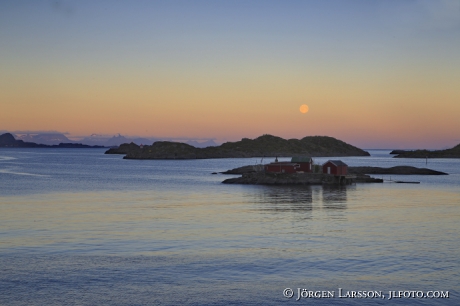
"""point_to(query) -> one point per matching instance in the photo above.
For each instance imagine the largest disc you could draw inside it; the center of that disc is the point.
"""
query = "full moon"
(303, 108)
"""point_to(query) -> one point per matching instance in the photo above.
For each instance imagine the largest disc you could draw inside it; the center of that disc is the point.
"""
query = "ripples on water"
(81, 228)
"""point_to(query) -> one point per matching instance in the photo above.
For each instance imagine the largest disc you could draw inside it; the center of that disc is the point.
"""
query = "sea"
(78, 227)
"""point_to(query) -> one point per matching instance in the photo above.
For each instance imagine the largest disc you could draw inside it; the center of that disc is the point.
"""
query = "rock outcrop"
(123, 148)
(241, 170)
(406, 170)
(265, 145)
(398, 152)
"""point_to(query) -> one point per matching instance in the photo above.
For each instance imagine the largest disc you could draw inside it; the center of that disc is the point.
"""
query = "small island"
(266, 145)
(258, 174)
(261, 178)
(448, 153)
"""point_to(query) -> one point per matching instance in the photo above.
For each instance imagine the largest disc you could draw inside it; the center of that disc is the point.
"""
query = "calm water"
(78, 227)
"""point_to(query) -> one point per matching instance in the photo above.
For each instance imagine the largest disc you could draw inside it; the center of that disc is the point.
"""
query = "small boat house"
(335, 167)
(297, 164)
(305, 163)
(281, 167)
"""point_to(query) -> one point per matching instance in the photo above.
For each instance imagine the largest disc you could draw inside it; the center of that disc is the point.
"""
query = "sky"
(376, 74)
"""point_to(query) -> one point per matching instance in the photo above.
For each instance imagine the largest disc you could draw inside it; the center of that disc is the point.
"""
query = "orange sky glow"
(204, 76)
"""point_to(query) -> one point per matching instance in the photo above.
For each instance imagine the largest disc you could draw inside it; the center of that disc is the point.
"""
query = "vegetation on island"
(266, 145)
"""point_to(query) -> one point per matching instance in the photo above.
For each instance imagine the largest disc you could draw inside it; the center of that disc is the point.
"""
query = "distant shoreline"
(7, 140)
(448, 153)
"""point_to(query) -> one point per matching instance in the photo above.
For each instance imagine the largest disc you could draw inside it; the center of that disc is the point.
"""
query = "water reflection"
(286, 198)
(335, 202)
(301, 198)
(335, 197)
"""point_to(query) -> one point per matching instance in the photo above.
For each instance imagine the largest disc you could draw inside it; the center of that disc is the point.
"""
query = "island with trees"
(263, 146)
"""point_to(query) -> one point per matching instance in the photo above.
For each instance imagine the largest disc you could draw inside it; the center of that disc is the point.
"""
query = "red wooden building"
(305, 163)
(336, 167)
(282, 167)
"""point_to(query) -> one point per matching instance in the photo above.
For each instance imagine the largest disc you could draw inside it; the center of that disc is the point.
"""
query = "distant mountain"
(99, 140)
(448, 153)
(7, 140)
(266, 145)
(42, 138)
(115, 140)
(119, 139)
(204, 144)
(143, 141)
